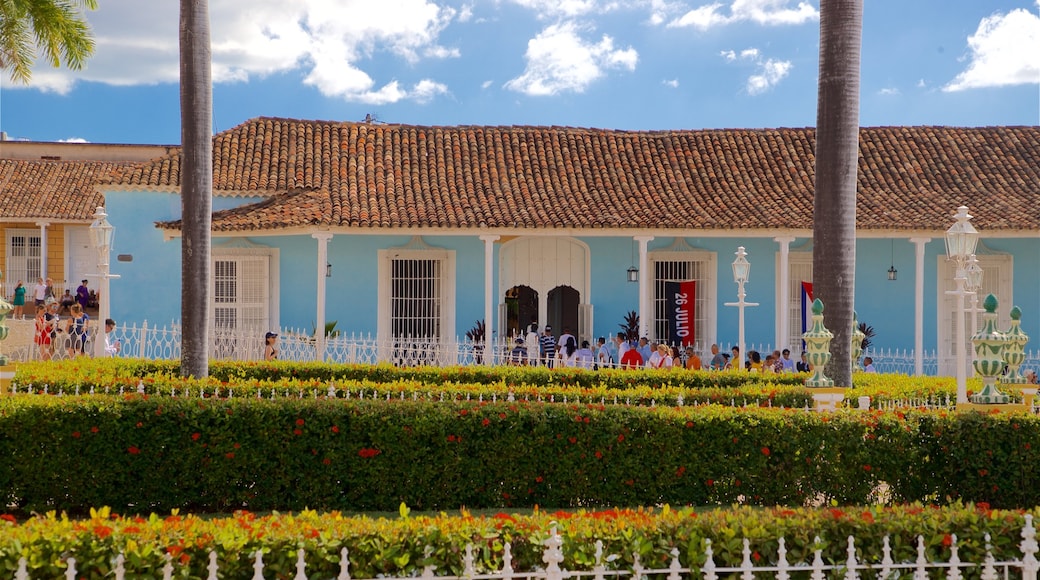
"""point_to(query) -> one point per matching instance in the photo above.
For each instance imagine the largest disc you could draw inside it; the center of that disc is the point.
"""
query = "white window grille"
(416, 302)
(801, 270)
(23, 258)
(240, 304)
(679, 265)
(997, 279)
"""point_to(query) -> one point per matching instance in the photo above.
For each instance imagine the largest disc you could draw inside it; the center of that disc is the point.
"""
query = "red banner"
(682, 311)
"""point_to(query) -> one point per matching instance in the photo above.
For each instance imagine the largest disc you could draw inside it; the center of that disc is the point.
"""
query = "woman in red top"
(42, 337)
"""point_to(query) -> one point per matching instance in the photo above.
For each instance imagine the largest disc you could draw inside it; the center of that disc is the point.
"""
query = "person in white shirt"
(661, 358)
(785, 357)
(112, 345)
(39, 292)
(531, 341)
(583, 357)
(868, 365)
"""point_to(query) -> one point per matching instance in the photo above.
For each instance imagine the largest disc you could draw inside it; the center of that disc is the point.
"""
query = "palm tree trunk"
(196, 185)
(837, 153)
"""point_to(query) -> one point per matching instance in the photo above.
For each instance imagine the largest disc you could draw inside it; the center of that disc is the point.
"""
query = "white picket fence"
(164, 342)
(881, 566)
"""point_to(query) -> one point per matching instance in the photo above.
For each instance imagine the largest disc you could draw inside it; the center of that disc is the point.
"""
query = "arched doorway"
(521, 309)
(562, 310)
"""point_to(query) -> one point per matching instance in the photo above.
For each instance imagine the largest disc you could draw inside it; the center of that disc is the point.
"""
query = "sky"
(612, 64)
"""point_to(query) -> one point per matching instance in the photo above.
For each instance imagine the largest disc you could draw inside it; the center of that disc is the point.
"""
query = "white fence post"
(1029, 549)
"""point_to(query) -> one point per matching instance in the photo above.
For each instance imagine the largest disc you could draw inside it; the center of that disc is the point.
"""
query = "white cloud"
(73, 140)
(764, 12)
(486, 84)
(921, 84)
(556, 8)
(770, 72)
(673, 83)
(1004, 52)
(559, 60)
(889, 91)
(330, 40)
(425, 90)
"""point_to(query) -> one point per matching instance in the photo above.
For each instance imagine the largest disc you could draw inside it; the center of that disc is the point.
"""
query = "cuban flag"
(807, 299)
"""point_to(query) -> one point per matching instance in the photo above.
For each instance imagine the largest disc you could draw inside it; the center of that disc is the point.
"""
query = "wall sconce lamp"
(892, 272)
(328, 270)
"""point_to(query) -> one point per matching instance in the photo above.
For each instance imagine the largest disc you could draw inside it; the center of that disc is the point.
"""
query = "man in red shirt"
(632, 359)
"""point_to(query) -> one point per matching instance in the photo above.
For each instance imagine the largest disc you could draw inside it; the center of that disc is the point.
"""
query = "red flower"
(229, 455)
(451, 438)
(710, 482)
(621, 438)
(9, 518)
(599, 455)
(75, 434)
(485, 422)
(679, 472)
(867, 517)
(577, 418)
(572, 439)
(689, 423)
(326, 461)
(539, 479)
(94, 429)
(297, 432)
(335, 429)
(464, 412)
(102, 531)
(237, 446)
(867, 467)
(139, 425)
(586, 419)
(756, 556)
(195, 436)
(982, 505)
(947, 540)
(299, 422)
(368, 453)
(133, 450)
(983, 472)
(765, 451)
(501, 415)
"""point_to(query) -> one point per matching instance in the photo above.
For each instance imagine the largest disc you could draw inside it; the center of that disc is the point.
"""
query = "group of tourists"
(546, 349)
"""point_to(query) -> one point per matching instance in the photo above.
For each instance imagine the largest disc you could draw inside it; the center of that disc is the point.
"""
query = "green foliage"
(145, 453)
(630, 326)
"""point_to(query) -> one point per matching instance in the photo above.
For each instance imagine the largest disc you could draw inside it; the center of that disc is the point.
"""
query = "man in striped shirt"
(547, 346)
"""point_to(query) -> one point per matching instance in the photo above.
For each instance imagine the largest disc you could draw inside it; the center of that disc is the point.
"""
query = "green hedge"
(159, 453)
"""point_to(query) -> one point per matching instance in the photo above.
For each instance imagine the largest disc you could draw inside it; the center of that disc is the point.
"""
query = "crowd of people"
(548, 350)
(62, 326)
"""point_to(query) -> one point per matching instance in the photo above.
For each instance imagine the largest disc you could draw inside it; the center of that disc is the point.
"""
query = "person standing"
(718, 360)
(83, 295)
(42, 338)
(112, 346)
(518, 356)
(547, 346)
(270, 346)
(645, 349)
(785, 357)
(802, 365)
(583, 357)
(19, 300)
(40, 292)
(603, 357)
(77, 327)
(661, 358)
(531, 341)
(693, 362)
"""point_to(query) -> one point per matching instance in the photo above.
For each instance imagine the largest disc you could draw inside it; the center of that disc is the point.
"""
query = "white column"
(323, 260)
(783, 327)
(43, 248)
(489, 295)
(919, 304)
(645, 280)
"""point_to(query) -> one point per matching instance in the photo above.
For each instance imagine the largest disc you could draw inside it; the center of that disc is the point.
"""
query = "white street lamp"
(101, 233)
(741, 270)
(961, 240)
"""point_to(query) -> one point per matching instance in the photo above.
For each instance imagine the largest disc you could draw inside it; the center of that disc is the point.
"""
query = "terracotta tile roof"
(361, 175)
(57, 190)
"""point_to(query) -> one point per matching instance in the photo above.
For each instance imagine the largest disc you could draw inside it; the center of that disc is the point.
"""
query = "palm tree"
(837, 153)
(55, 28)
(196, 185)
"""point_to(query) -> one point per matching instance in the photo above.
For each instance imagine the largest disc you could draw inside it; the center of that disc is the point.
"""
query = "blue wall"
(150, 285)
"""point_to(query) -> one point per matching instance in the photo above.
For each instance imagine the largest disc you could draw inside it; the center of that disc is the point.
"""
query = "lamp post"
(101, 233)
(961, 240)
(741, 269)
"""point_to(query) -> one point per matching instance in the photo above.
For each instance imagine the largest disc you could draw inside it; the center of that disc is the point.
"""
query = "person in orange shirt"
(693, 362)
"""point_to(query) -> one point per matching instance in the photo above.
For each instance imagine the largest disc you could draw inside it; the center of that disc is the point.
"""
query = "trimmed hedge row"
(141, 454)
(403, 546)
